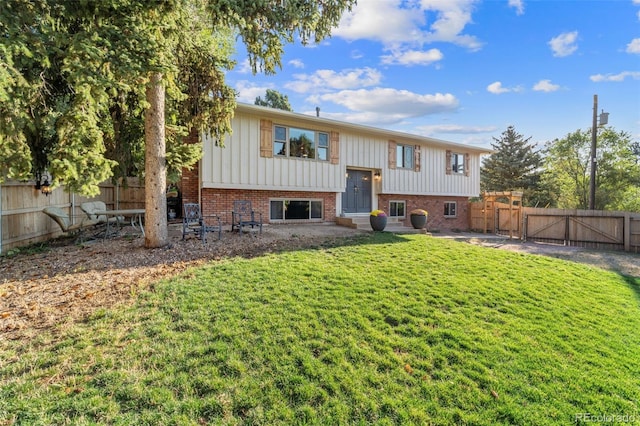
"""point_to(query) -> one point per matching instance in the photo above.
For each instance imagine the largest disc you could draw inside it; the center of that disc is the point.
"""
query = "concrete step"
(393, 225)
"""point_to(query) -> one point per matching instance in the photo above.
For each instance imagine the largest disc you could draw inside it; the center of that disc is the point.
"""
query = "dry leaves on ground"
(67, 282)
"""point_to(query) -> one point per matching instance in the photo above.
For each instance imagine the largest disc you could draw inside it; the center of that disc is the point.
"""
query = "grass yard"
(383, 330)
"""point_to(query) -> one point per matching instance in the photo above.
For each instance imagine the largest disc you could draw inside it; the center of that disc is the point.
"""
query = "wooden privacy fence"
(583, 228)
(22, 221)
(607, 230)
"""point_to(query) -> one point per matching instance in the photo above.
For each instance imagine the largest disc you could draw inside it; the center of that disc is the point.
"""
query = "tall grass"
(384, 330)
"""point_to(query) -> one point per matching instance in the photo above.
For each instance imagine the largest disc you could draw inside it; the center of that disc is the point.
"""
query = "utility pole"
(594, 161)
(604, 119)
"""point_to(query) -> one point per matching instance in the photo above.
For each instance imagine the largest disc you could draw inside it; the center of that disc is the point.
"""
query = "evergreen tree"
(514, 166)
(79, 79)
(274, 99)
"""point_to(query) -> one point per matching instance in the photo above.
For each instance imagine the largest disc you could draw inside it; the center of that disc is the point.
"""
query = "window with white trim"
(301, 143)
(450, 209)
(288, 209)
(404, 156)
(397, 209)
(457, 163)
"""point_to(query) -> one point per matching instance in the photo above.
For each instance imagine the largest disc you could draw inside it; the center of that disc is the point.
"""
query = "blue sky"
(464, 70)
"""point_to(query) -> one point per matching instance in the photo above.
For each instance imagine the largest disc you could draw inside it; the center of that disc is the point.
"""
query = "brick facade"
(190, 181)
(220, 202)
(434, 205)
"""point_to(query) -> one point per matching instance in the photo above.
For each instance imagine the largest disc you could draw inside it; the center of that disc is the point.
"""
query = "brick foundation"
(190, 181)
(435, 207)
(220, 202)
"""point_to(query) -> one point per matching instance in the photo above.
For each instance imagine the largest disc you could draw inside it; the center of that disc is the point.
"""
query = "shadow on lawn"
(633, 283)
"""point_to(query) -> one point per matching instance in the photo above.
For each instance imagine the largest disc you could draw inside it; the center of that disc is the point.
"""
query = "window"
(397, 208)
(301, 143)
(295, 209)
(450, 209)
(457, 163)
(404, 156)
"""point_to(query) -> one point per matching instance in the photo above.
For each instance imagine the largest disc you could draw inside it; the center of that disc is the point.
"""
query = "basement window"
(450, 209)
(288, 209)
(397, 209)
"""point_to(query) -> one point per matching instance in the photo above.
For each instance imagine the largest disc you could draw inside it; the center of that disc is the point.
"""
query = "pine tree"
(514, 166)
(77, 79)
(274, 99)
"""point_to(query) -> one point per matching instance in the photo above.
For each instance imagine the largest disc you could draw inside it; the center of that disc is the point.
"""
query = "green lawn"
(385, 329)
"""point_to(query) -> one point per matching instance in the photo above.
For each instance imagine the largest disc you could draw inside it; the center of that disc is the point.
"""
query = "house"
(300, 168)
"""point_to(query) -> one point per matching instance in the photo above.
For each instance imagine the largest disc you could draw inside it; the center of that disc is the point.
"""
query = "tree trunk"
(155, 166)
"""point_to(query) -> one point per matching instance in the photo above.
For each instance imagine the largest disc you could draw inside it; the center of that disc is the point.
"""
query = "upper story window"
(301, 143)
(457, 163)
(404, 156)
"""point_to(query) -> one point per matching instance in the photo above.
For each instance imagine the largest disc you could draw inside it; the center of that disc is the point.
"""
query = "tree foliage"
(514, 166)
(567, 170)
(274, 99)
(73, 77)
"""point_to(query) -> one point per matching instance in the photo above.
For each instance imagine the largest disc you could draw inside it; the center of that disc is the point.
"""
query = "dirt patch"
(621, 262)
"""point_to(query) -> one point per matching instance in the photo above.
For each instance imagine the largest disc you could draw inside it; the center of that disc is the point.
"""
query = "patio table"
(135, 217)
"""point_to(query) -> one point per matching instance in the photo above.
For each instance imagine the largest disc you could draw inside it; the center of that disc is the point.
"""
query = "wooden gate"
(508, 220)
(600, 232)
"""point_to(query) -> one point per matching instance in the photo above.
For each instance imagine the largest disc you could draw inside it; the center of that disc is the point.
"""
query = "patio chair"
(63, 219)
(243, 215)
(194, 223)
(91, 207)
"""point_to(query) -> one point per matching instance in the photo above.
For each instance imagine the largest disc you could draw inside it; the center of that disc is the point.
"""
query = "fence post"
(626, 232)
(524, 228)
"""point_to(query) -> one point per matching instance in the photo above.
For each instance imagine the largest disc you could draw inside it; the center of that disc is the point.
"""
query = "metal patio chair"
(193, 222)
(244, 215)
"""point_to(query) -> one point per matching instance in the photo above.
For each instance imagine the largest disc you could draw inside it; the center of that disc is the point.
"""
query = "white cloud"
(634, 46)
(545, 86)
(496, 88)
(518, 5)
(397, 23)
(296, 63)
(564, 44)
(368, 17)
(413, 57)
(248, 92)
(323, 80)
(454, 129)
(616, 77)
(244, 67)
(387, 106)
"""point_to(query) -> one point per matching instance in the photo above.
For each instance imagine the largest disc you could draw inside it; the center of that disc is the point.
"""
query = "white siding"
(239, 165)
(360, 151)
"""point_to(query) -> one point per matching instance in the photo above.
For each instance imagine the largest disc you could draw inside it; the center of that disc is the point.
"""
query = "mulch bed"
(66, 282)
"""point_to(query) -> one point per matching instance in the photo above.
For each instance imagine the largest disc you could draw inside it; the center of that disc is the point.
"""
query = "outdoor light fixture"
(604, 119)
(376, 175)
(42, 183)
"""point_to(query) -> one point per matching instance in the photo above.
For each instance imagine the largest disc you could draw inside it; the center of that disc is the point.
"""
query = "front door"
(357, 196)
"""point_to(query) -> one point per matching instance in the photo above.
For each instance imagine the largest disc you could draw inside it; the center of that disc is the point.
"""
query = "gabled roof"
(358, 128)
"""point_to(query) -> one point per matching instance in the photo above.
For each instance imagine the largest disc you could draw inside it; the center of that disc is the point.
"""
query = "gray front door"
(357, 196)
